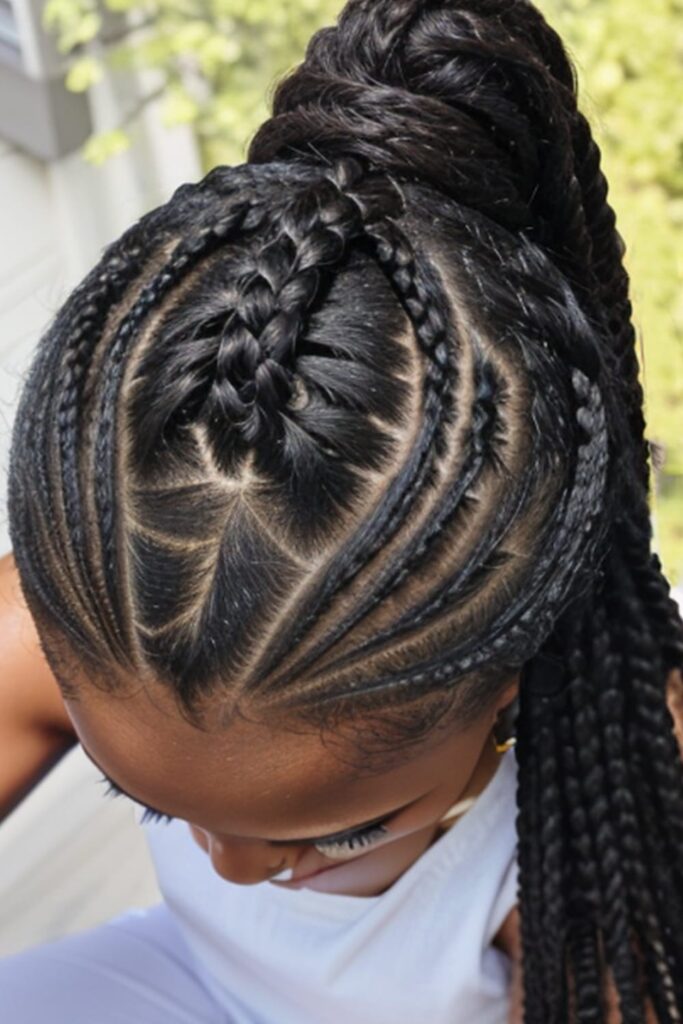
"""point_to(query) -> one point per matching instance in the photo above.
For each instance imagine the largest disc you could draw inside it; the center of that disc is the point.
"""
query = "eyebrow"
(273, 842)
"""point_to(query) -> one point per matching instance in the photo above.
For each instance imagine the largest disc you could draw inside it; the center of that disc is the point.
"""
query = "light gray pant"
(134, 969)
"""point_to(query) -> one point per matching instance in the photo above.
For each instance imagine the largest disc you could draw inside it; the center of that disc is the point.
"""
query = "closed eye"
(347, 845)
(336, 844)
(149, 814)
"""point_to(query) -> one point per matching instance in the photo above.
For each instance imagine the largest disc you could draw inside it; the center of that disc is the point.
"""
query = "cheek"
(428, 811)
(199, 838)
(371, 873)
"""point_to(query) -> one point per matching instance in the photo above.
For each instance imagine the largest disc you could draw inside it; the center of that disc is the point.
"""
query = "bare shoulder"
(508, 939)
(29, 693)
(508, 936)
(674, 697)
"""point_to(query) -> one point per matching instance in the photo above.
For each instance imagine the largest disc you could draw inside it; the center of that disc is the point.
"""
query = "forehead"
(251, 778)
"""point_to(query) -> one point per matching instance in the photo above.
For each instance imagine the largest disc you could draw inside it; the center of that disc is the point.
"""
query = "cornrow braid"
(244, 216)
(314, 232)
(414, 281)
(480, 445)
(461, 585)
(63, 358)
(119, 270)
(572, 521)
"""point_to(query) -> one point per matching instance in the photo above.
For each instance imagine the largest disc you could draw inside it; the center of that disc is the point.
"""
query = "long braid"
(581, 963)
(584, 949)
(568, 963)
(551, 841)
(613, 282)
(652, 724)
(528, 825)
(606, 856)
(612, 707)
(622, 889)
(654, 591)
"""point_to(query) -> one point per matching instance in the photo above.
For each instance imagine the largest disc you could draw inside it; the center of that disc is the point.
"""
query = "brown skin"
(37, 702)
(35, 730)
(251, 786)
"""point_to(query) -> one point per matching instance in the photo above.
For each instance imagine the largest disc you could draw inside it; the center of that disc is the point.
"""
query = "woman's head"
(351, 435)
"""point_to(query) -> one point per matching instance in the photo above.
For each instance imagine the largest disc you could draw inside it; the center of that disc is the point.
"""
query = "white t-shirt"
(419, 953)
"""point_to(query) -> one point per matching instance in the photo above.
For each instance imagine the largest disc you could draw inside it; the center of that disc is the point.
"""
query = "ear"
(507, 696)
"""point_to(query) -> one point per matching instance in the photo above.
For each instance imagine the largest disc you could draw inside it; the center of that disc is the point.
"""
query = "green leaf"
(122, 5)
(101, 147)
(82, 31)
(83, 73)
(179, 107)
(61, 14)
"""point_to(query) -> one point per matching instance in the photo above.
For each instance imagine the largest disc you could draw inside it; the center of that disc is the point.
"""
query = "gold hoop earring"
(505, 745)
(502, 734)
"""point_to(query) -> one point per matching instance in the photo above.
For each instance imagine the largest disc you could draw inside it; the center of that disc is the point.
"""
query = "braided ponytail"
(513, 145)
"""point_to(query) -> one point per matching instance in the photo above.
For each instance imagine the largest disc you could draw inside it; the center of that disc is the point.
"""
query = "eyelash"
(148, 814)
(363, 837)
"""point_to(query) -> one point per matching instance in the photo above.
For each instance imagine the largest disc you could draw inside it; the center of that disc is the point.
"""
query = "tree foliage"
(629, 58)
(216, 61)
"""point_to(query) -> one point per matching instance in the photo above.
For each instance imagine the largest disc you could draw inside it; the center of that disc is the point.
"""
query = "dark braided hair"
(352, 432)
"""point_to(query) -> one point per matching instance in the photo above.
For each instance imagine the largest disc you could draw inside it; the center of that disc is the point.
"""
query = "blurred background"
(106, 106)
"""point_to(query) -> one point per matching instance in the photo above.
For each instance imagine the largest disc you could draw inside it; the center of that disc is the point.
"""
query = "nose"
(242, 861)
